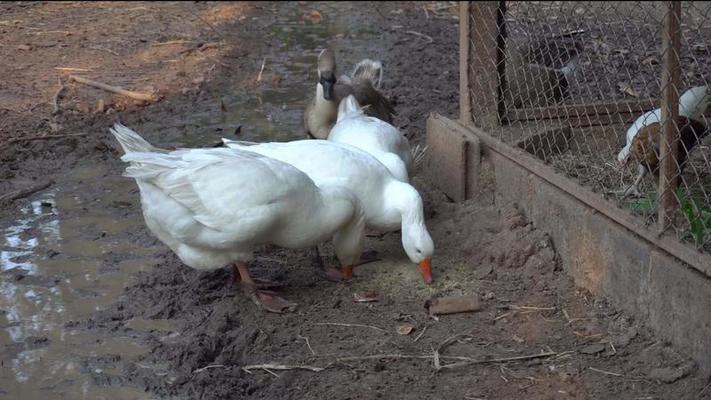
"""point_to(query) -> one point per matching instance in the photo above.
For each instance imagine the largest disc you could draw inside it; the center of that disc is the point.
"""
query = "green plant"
(698, 214)
(643, 205)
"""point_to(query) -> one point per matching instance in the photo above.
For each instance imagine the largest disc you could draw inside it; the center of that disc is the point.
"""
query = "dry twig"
(422, 35)
(259, 76)
(55, 99)
(172, 42)
(208, 367)
(114, 89)
(502, 316)
(46, 137)
(350, 325)
(306, 339)
(281, 367)
(435, 356)
(532, 308)
(72, 69)
(604, 372)
(464, 360)
(104, 49)
(420, 335)
(19, 194)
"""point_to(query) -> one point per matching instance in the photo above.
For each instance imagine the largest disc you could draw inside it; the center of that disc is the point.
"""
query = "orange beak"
(347, 271)
(426, 270)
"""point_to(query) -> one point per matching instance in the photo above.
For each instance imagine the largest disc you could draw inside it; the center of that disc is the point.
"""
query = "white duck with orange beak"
(388, 203)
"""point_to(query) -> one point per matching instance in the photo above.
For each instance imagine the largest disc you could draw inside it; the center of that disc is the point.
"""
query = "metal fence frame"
(489, 113)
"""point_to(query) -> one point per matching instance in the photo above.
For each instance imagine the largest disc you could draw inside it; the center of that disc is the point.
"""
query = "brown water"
(52, 275)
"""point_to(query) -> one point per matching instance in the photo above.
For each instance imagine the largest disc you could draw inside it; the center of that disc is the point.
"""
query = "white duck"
(212, 207)
(692, 104)
(376, 137)
(388, 203)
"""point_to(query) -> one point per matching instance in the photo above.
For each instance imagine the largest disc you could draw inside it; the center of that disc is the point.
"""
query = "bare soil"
(197, 332)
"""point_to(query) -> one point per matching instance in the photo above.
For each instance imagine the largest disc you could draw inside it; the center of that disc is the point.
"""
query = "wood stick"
(453, 304)
(281, 367)
(434, 356)
(104, 49)
(19, 194)
(467, 360)
(421, 333)
(427, 38)
(173, 42)
(604, 372)
(532, 308)
(350, 325)
(114, 89)
(72, 69)
(259, 76)
(306, 339)
(668, 148)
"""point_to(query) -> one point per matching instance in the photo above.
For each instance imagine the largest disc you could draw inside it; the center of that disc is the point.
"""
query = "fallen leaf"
(366, 297)
(405, 329)
(651, 60)
(314, 17)
(626, 88)
(100, 106)
(700, 48)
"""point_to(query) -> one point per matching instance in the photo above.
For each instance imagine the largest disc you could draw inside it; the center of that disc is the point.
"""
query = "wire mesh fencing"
(590, 89)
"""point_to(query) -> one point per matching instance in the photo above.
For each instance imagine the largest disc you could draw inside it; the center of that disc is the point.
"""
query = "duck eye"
(418, 251)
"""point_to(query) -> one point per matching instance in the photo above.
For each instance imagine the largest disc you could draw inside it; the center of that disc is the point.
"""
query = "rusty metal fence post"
(668, 149)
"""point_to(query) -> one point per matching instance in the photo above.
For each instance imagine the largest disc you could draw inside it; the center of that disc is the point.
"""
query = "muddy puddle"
(69, 251)
(53, 261)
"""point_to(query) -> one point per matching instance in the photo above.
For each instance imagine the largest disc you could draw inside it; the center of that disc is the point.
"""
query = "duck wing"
(373, 102)
(241, 194)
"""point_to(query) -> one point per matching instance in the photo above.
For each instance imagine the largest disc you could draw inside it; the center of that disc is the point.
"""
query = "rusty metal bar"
(557, 112)
(669, 141)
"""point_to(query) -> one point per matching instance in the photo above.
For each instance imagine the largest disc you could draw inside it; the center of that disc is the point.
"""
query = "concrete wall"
(601, 255)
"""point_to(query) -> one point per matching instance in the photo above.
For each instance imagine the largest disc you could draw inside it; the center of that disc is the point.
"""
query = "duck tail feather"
(131, 141)
(419, 154)
(369, 70)
(237, 143)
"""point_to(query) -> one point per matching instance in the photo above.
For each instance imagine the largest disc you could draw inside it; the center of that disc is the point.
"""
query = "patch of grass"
(643, 205)
(698, 214)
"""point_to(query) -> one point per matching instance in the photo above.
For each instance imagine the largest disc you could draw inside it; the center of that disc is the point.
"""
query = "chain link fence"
(587, 87)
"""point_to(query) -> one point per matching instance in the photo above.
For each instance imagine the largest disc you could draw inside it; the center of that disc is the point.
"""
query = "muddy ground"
(94, 307)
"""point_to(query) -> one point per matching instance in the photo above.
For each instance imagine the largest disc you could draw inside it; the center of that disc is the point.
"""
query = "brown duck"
(322, 110)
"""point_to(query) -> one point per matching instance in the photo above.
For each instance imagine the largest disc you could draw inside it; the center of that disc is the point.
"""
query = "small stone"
(483, 271)
(405, 329)
(366, 297)
(671, 375)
